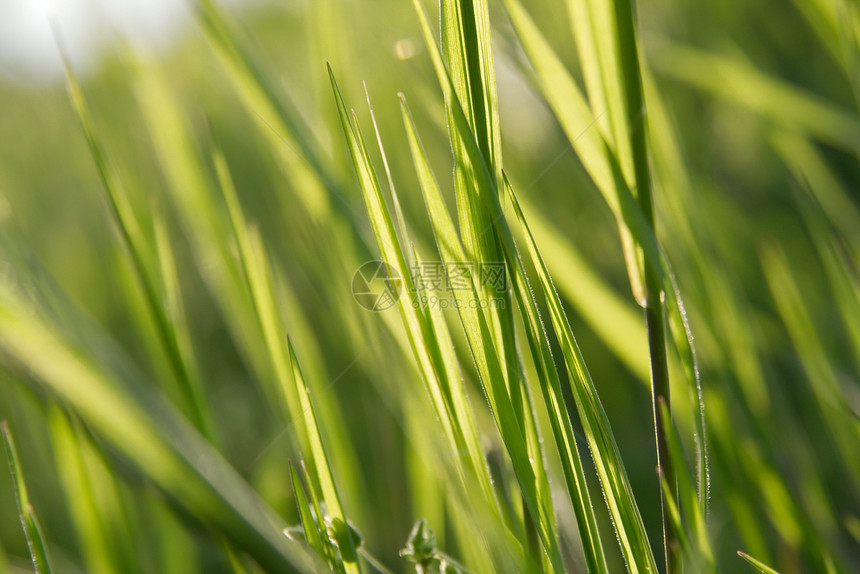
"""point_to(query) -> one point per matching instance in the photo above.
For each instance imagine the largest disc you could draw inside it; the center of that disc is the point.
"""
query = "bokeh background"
(762, 178)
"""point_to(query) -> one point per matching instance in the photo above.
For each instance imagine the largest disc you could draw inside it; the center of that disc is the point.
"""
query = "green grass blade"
(610, 468)
(145, 262)
(310, 526)
(147, 432)
(576, 119)
(489, 339)
(341, 531)
(29, 522)
(757, 564)
(772, 99)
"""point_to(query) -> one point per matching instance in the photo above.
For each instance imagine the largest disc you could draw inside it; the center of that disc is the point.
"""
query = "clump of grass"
(491, 421)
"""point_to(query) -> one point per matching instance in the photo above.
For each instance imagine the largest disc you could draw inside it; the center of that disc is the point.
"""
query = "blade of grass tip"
(413, 320)
(389, 248)
(484, 338)
(574, 473)
(398, 211)
(146, 431)
(623, 509)
(760, 566)
(29, 522)
(342, 532)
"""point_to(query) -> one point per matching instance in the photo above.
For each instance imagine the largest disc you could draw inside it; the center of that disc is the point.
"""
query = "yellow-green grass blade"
(310, 526)
(445, 232)
(842, 424)
(467, 49)
(757, 564)
(145, 262)
(528, 468)
(341, 531)
(577, 120)
(414, 321)
(610, 468)
(571, 110)
(194, 197)
(147, 432)
(258, 280)
(448, 243)
(36, 542)
(96, 537)
(771, 98)
(277, 119)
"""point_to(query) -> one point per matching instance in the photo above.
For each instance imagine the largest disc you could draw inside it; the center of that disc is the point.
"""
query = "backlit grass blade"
(97, 538)
(414, 321)
(550, 385)
(278, 120)
(501, 379)
(340, 530)
(458, 427)
(576, 119)
(613, 477)
(309, 524)
(29, 522)
(700, 556)
(771, 98)
(145, 262)
(148, 433)
(757, 564)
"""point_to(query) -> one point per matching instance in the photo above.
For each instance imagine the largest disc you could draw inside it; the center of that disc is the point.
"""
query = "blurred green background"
(760, 186)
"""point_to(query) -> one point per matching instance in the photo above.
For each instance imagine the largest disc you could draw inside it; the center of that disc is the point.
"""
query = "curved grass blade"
(147, 432)
(29, 521)
(760, 566)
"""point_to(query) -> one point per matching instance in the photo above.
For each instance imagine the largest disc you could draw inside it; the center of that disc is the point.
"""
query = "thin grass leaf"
(392, 255)
(550, 385)
(576, 119)
(148, 433)
(94, 535)
(310, 527)
(501, 380)
(619, 496)
(757, 564)
(415, 321)
(145, 263)
(29, 521)
(771, 98)
(340, 530)
(694, 534)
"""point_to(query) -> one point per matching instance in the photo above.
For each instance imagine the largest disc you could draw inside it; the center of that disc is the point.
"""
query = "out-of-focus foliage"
(193, 387)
